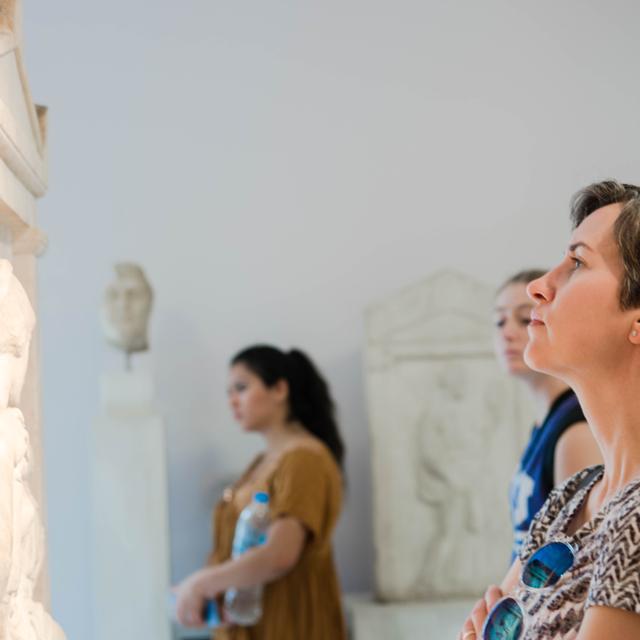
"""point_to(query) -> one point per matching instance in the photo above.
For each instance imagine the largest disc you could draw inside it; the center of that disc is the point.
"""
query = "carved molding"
(24, 156)
(26, 163)
(31, 241)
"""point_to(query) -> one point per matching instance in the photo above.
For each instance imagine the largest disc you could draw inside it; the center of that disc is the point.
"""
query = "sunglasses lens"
(505, 621)
(547, 564)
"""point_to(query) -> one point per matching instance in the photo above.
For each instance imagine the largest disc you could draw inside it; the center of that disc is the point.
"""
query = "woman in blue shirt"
(561, 443)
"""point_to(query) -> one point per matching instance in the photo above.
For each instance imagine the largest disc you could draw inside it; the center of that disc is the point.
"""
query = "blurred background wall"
(275, 167)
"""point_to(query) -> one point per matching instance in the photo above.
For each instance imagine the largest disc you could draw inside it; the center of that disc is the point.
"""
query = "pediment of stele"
(445, 315)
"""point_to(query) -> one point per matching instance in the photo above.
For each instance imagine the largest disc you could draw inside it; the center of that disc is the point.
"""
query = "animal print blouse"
(606, 570)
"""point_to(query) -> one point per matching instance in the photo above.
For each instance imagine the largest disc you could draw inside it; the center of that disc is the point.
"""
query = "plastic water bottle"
(244, 606)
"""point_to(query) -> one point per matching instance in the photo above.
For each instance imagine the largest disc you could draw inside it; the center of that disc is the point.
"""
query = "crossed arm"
(472, 627)
(598, 622)
(280, 553)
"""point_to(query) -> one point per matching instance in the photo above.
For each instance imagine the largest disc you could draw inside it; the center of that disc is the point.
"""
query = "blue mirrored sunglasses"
(507, 618)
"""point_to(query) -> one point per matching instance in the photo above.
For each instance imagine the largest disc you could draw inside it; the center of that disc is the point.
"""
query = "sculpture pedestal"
(370, 620)
(130, 531)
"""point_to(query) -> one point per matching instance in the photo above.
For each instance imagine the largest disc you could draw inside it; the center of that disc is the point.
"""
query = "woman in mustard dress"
(282, 397)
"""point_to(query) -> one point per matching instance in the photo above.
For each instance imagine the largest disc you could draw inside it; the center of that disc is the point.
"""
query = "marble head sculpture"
(126, 310)
(21, 531)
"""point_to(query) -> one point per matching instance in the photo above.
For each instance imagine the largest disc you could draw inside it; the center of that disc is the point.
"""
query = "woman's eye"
(500, 323)
(576, 263)
(525, 321)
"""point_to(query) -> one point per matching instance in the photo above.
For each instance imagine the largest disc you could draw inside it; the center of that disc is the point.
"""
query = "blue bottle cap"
(261, 497)
(211, 614)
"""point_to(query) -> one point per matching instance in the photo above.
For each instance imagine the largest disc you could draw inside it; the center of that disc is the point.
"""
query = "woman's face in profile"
(253, 404)
(512, 313)
(578, 325)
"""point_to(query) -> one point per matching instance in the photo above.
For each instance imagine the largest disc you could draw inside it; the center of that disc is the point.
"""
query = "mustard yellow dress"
(304, 604)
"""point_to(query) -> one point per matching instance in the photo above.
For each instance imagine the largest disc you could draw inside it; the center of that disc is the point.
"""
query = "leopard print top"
(606, 570)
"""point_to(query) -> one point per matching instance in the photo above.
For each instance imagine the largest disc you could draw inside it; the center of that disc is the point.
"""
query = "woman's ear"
(634, 332)
(281, 389)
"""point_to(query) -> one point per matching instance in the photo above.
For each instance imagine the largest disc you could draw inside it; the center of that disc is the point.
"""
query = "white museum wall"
(275, 168)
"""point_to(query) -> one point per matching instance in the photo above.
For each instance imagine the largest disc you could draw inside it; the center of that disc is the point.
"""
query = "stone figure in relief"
(454, 438)
(21, 532)
(126, 309)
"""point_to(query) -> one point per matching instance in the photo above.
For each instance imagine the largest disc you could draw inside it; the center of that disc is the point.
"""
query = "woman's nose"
(541, 290)
(508, 332)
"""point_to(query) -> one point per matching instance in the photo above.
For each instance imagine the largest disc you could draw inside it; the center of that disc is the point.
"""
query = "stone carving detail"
(126, 309)
(447, 429)
(21, 532)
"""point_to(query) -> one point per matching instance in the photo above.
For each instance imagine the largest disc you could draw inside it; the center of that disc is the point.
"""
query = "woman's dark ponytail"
(310, 401)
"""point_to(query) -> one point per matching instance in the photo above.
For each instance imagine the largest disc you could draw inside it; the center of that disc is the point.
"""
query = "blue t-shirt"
(533, 480)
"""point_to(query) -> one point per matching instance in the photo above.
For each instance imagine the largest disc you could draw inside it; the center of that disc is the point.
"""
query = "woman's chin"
(513, 366)
(250, 428)
(535, 360)
(518, 369)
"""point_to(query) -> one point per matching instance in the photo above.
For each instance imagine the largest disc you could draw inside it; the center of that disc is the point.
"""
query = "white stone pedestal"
(130, 531)
(369, 620)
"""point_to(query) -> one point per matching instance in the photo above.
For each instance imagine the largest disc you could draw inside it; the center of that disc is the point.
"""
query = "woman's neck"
(544, 390)
(612, 409)
(279, 435)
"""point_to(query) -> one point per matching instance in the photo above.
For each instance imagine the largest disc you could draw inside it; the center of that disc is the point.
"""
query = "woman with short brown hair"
(578, 573)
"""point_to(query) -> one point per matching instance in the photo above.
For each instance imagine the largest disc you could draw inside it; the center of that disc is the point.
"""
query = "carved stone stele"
(447, 429)
(23, 179)
(22, 540)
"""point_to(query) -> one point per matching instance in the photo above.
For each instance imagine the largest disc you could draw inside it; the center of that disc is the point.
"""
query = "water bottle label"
(247, 537)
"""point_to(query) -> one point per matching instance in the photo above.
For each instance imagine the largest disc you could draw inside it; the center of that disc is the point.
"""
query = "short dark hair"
(626, 229)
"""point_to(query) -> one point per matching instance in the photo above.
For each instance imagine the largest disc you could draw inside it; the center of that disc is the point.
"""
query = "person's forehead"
(596, 230)
(512, 296)
(130, 282)
(127, 285)
(239, 369)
